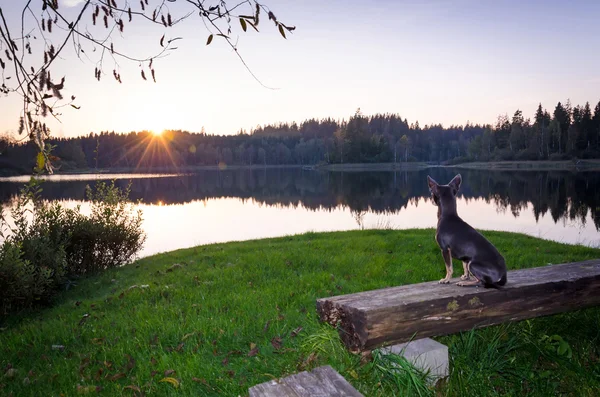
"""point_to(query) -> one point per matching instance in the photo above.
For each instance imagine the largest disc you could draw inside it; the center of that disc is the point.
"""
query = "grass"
(218, 319)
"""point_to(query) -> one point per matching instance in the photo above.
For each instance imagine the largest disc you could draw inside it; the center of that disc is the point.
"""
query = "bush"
(527, 155)
(109, 237)
(48, 245)
(503, 155)
(22, 284)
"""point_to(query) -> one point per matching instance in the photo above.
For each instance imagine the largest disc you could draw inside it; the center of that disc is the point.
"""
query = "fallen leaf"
(173, 267)
(309, 360)
(117, 377)
(130, 362)
(98, 374)
(186, 336)
(169, 372)
(225, 361)
(86, 389)
(10, 373)
(276, 342)
(97, 341)
(253, 351)
(84, 364)
(153, 373)
(266, 327)
(153, 360)
(83, 319)
(172, 381)
(179, 347)
(296, 332)
(284, 350)
(132, 387)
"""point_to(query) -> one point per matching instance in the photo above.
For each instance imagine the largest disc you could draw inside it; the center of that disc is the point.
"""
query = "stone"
(425, 354)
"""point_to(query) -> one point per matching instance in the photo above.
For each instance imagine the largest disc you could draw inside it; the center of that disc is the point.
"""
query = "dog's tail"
(488, 282)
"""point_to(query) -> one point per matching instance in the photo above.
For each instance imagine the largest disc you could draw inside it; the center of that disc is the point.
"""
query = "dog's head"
(444, 193)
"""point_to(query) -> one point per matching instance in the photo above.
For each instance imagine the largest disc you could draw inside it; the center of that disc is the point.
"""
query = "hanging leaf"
(41, 161)
(282, 31)
(162, 40)
(243, 23)
(253, 25)
(209, 39)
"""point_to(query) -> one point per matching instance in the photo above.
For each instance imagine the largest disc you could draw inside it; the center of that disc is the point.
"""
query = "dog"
(457, 239)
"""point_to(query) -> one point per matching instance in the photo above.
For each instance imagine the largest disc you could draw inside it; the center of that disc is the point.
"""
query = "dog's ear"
(455, 183)
(433, 185)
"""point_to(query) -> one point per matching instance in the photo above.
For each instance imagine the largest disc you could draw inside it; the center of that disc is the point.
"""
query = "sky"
(435, 61)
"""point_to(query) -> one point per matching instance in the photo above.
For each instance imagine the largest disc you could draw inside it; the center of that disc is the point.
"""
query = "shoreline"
(538, 165)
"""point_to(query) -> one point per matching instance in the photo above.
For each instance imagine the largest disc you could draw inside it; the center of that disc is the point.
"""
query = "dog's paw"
(444, 281)
(460, 283)
(465, 277)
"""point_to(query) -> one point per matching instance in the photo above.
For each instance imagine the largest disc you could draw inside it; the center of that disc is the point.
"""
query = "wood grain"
(393, 315)
(320, 382)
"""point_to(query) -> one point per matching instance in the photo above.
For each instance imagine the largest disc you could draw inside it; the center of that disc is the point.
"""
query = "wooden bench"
(320, 382)
(393, 315)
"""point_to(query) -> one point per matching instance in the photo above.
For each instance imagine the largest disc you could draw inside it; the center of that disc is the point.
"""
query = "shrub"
(109, 237)
(22, 284)
(527, 155)
(46, 244)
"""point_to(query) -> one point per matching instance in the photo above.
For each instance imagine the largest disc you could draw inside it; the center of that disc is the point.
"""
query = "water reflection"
(229, 205)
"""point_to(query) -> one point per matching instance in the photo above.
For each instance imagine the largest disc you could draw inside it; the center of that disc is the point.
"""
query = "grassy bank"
(542, 165)
(215, 320)
(372, 166)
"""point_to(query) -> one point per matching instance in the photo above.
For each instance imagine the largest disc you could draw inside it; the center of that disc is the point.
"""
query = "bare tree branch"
(42, 95)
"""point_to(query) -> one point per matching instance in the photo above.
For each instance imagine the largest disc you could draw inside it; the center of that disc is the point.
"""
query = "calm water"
(216, 206)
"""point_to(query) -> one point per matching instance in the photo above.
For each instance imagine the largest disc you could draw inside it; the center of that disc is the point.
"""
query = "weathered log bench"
(320, 382)
(392, 315)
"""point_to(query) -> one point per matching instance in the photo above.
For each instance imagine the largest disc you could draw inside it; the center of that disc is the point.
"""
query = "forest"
(566, 132)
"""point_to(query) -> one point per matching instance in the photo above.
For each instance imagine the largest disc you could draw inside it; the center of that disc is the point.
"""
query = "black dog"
(459, 240)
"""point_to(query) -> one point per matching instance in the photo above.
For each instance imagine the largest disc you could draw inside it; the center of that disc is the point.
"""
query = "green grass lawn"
(218, 319)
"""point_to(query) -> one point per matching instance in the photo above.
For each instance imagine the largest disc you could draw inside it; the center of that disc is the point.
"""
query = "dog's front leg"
(449, 270)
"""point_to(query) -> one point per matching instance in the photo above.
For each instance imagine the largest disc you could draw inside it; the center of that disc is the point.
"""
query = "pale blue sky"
(432, 61)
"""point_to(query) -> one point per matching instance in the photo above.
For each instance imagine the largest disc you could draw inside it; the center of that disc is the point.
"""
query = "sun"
(157, 132)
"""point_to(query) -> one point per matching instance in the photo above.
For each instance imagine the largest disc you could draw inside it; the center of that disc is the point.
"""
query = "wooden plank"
(306, 384)
(393, 315)
(272, 388)
(335, 382)
(320, 382)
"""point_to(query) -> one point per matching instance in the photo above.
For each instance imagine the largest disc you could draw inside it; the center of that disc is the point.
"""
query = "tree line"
(565, 133)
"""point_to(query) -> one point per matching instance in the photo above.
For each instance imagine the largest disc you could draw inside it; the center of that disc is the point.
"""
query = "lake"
(226, 205)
